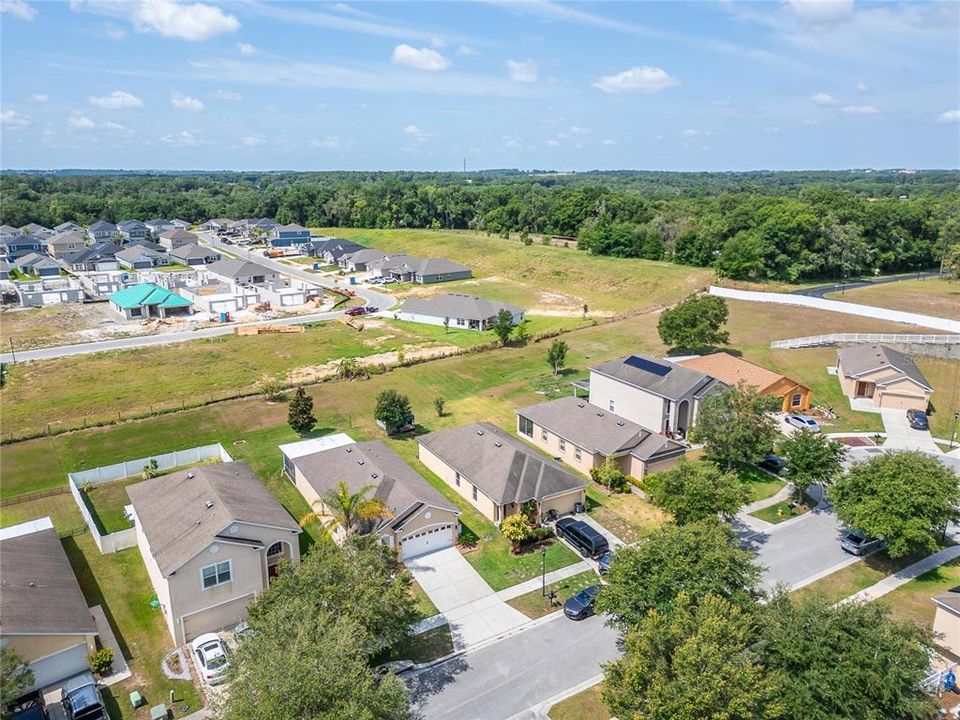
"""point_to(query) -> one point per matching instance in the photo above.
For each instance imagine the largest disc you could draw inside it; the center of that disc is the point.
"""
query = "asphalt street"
(822, 290)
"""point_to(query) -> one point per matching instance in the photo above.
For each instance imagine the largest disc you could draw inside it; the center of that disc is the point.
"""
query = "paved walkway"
(537, 583)
(902, 577)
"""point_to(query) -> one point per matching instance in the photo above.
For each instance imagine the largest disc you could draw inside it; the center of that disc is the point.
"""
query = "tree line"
(758, 226)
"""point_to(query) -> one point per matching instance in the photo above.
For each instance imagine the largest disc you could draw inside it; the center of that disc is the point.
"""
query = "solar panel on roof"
(647, 365)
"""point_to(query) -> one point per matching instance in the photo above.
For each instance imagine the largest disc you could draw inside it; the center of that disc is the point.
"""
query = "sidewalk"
(902, 577)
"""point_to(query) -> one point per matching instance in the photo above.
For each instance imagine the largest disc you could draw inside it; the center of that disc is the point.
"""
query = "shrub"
(541, 533)
(516, 528)
(610, 476)
(101, 662)
(273, 389)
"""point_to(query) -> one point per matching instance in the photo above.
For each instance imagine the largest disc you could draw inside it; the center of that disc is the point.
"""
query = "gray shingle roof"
(102, 226)
(500, 465)
(597, 430)
(137, 252)
(371, 463)
(94, 252)
(39, 593)
(192, 250)
(178, 234)
(455, 305)
(860, 359)
(66, 237)
(234, 268)
(660, 377)
(366, 255)
(417, 265)
(175, 517)
(131, 225)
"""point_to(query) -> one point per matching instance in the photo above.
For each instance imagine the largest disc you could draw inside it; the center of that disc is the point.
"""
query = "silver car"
(803, 422)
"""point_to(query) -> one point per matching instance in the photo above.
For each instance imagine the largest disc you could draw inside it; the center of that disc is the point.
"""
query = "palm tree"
(349, 509)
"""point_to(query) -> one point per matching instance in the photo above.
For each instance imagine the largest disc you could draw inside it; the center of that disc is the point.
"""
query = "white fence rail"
(127, 538)
(888, 338)
(908, 318)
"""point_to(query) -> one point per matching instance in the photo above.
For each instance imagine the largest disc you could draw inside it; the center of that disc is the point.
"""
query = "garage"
(56, 667)
(215, 618)
(426, 541)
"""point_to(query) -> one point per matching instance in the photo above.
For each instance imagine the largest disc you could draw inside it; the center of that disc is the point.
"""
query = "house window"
(612, 406)
(526, 426)
(563, 445)
(275, 549)
(456, 478)
(461, 321)
(796, 400)
(576, 453)
(474, 492)
(543, 435)
(217, 574)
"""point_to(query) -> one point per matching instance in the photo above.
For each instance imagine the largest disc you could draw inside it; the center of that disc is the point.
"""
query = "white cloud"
(115, 33)
(327, 143)
(419, 58)
(643, 79)
(512, 142)
(246, 49)
(522, 70)
(17, 8)
(184, 138)
(117, 100)
(185, 102)
(39, 98)
(81, 121)
(115, 127)
(821, 12)
(859, 110)
(253, 141)
(438, 42)
(577, 130)
(411, 130)
(608, 141)
(271, 109)
(823, 99)
(553, 143)
(690, 133)
(13, 119)
(168, 18)
(950, 116)
(226, 95)
(862, 87)
(466, 50)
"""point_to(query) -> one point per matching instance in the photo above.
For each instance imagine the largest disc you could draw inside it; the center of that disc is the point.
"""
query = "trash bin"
(577, 508)
(316, 266)
(353, 280)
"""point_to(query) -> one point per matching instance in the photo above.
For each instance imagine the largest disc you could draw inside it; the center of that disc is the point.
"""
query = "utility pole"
(12, 353)
(464, 164)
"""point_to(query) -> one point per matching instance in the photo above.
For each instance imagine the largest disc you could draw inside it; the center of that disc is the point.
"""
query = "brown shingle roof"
(731, 370)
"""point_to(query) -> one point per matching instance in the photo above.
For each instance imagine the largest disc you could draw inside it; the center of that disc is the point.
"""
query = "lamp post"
(543, 572)
(953, 435)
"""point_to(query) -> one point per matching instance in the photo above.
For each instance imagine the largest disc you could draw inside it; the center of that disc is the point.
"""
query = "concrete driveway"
(472, 609)
(900, 436)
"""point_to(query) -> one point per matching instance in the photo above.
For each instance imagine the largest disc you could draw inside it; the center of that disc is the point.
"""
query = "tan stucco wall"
(446, 473)
(438, 516)
(160, 585)
(569, 455)
(629, 402)
(34, 647)
(902, 395)
(563, 504)
(947, 624)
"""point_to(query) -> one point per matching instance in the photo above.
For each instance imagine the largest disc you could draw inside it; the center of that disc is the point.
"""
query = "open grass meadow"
(930, 296)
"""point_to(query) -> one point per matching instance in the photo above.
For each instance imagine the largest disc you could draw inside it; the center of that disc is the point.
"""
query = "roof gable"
(660, 377)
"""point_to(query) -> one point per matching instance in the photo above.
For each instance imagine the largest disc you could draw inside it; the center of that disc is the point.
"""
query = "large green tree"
(349, 509)
(693, 660)
(557, 355)
(907, 498)
(694, 491)
(736, 425)
(15, 677)
(699, 558)
(695, 323)
(845, 661)
(300, 416)
(812, 459)
(502, 326)
(393, 409)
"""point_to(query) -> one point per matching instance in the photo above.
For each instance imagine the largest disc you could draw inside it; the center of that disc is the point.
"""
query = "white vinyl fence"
(872, 338)
(936, 323)
(127, 538)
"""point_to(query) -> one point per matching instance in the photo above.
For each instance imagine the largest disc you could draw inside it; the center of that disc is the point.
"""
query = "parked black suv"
(584, 538)
(81, 699)
(28, 707)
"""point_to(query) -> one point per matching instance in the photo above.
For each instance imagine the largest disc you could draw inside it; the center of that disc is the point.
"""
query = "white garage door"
(64, 664)
(426, 541)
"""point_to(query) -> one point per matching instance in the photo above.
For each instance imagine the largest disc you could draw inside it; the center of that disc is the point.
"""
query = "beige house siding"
(902, 395)
(160, 585)
(34, 647)
(564, 503)
(446, 473)
(629, 402)
(419, 521)
(946, 624)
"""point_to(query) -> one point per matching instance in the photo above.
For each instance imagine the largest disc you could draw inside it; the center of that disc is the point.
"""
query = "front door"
(864, 389)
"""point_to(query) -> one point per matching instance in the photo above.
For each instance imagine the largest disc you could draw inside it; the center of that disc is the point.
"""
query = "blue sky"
(723, 85)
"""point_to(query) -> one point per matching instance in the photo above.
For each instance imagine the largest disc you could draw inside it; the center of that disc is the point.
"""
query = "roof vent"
(498, 443)
(360, 462)
(349, 449)
(209, 504)
(191, 476)
(580, 405)
(620, 423)
(374, 476)
(479, 432)
(599, 413)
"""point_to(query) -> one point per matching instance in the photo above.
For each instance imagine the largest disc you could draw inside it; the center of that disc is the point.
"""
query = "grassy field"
(535, 604)
(940, 298)
(760, 484)
(626, 515)
(538, 277)
(912, 601)
(944, 377)
(585, 705)
(856, 577)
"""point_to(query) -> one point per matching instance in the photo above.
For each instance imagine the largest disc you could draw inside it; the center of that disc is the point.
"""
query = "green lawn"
(626, 515)
(930, 296)
(760, 484)
(425, 647)
(106, 503)
(172, 267)
(856, 577)
(782, 511)
(585, 705)
(424, 605)
(912, 601)
(535, 604)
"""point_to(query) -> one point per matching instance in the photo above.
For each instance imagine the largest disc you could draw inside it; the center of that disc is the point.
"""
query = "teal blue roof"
(147, 294)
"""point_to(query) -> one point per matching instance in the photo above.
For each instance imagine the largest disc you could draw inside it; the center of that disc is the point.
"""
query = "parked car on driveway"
(603, 562)
(918, 419)
(582, 605)
(773, 462)
(803, 422)
(857, 543)
(584, 538)
(210, 655)
(353, 312)
(81, 699)
(28, 707)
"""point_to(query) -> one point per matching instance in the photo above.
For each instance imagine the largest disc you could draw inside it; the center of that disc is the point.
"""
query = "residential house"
(66, 243)
(96, 257)
(102, 231)
(158, 225)
(221, 297)
(409, 268)
(882, 378)
(7, 231)
(421, 520)
(38, 265)
(946, 620)
(655, 394)
(498, 474)
(68, 226)
(456, 311)
(4, 270)
(258, 226)
(241, 272)
(139, 257)
(357, 260)
(211, 538)
(39, 230)
(49, 291)
(291, 235)
(17, 245)
(216, 224)
(44, 617)
(146, 300)
(584, 436)
(793, 396)
(194, 254)
(329, 250)
(181, 224)
(173, 238)
(134, 231)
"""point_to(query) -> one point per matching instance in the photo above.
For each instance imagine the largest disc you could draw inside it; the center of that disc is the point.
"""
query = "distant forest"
(786, 226)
